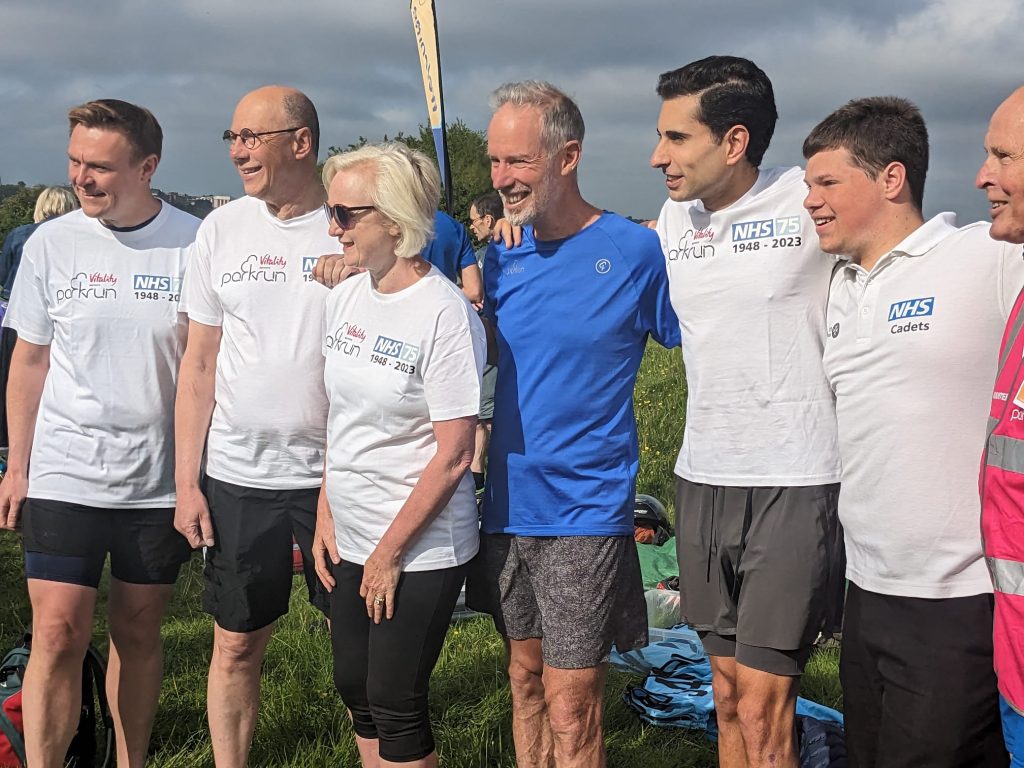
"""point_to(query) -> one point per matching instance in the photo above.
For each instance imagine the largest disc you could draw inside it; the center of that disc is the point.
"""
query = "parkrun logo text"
(347, 339)
(407, 353)
(98, 285)
(692, 245)
(258, 269)
(757, 230)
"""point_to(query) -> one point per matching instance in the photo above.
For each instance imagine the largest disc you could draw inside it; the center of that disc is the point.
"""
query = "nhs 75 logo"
(764, 228)
(399, 350)
(901, 310)
(161, 283)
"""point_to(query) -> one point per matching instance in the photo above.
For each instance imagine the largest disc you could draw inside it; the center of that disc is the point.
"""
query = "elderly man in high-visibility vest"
(1001, 178)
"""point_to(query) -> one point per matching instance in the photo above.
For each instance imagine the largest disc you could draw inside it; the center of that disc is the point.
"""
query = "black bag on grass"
(93, 743)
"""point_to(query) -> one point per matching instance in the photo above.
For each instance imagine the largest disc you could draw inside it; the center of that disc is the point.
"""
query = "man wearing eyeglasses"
(251, 391)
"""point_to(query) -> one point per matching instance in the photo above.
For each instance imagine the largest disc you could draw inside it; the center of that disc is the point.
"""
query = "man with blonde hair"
(91, 399)
(252, 394)
(558, 568)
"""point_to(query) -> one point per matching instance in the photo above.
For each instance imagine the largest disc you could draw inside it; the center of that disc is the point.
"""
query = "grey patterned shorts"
(578, 594)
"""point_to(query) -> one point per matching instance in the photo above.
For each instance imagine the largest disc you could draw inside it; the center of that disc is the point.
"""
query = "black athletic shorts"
(248, 574)
(761, 570)
(69, 543)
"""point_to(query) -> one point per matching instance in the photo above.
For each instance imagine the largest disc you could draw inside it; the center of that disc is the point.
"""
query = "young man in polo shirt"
(915, 313)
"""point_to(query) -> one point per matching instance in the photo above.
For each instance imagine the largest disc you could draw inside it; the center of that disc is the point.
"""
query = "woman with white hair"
(397, 517)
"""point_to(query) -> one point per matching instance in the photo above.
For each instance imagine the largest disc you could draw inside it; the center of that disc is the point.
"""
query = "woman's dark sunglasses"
(345, 216)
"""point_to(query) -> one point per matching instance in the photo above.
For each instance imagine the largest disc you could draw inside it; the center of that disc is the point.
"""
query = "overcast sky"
(190, 60)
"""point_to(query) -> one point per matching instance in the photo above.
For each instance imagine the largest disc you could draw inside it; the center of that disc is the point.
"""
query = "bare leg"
(575, 699)
(136, 665)
(531, 730)
(767, 713)
(52, 694)
(731, 752)
(233, 692)
(482, 438)
(430, 761)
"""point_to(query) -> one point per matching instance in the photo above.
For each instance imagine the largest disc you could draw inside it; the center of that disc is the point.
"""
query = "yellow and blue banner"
(424, 25)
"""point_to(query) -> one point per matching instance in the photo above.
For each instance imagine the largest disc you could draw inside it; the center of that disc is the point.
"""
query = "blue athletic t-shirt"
(451, 249)
(572, 318)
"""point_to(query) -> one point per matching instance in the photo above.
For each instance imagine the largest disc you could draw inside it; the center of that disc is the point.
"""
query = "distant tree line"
(17, 203)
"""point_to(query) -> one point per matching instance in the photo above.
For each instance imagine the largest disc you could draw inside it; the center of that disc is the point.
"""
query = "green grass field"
(302, 722)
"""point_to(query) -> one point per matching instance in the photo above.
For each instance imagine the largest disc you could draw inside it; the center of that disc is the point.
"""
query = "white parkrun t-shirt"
(106, 303)
(251, 274)
(911, 353)
(749, 285)
(395, 363)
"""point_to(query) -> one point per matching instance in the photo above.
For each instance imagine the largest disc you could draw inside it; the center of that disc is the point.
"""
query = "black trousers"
(382, 671)
(919, 690)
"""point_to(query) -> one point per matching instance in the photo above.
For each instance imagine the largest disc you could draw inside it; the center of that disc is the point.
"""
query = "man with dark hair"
(91, 396)
(558, 567)
(484, 212)
(759, 543)
(906, 319)
(252, 395)
(1001, 177)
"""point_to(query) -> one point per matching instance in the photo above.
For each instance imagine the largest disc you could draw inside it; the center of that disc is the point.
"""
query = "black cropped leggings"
(382, 671)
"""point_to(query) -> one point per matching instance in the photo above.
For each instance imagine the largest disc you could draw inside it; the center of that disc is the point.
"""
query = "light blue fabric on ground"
(677, 693)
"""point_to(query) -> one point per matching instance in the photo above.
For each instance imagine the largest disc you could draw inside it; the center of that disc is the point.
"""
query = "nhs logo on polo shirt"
(904, 314)
(901, 310)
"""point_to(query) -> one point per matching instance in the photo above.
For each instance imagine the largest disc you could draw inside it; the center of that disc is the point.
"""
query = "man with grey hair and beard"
(558, 568)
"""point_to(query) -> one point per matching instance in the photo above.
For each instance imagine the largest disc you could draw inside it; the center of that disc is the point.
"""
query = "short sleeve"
(198, 299)
(28, 313)
(451, 374)
(656, 314)
(491, 272)
(467, 255)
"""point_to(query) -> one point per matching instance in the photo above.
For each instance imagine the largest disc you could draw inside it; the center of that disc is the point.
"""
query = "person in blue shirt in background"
(452, 252)
(52, 202)
(572, 307)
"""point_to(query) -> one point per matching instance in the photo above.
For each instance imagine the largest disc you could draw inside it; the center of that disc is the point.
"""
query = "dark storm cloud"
(190, 61)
